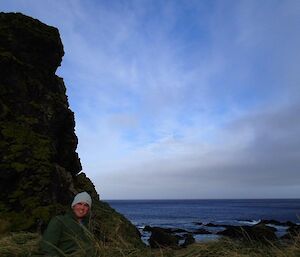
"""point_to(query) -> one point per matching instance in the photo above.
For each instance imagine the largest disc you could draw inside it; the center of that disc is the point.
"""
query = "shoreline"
(210, 232)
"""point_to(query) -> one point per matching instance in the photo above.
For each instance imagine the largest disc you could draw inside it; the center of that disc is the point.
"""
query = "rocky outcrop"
(39, 167)
(169, 237)
(215, 225)
(293, 232)
(167, 230)
(37, 139)
(261, 233)
(277, 223)
(189, 239)
(160, 238)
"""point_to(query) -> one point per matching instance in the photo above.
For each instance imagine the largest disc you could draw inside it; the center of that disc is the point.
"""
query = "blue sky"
(182, 99)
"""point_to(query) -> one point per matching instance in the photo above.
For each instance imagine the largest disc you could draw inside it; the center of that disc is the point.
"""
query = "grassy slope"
(25, 244)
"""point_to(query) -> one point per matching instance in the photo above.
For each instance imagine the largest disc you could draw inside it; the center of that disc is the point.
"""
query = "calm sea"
(186, 213)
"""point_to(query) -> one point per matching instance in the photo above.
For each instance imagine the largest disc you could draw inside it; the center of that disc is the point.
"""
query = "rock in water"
(39, 165)
(189, 239)
(260, 232)
(160, 238)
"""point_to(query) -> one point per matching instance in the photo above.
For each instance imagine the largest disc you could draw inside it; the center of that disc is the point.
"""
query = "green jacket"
(65, 235)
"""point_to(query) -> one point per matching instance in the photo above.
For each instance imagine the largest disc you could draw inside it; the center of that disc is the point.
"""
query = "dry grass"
(21, 244)
(227, 247)
(25, 245)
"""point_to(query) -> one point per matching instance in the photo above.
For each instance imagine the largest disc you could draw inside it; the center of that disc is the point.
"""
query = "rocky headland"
(40, 170)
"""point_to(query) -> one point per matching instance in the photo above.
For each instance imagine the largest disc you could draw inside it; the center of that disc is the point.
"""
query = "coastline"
(207, 219)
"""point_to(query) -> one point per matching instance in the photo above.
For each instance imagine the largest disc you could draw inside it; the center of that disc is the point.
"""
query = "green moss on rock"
(39, 168)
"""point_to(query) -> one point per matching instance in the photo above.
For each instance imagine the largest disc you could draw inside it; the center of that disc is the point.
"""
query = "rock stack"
(39, 168)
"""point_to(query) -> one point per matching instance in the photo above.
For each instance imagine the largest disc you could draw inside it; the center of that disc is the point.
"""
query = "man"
(68, 234)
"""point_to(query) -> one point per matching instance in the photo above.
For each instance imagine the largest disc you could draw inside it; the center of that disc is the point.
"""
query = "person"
(69, 233)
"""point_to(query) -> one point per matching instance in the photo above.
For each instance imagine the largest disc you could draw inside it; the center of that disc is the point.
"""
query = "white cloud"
(182, 100)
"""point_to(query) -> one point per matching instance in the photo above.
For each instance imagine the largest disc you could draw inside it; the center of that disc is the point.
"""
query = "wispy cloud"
(197, 96)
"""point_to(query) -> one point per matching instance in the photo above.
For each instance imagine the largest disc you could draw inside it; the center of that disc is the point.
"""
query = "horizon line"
(188, 199)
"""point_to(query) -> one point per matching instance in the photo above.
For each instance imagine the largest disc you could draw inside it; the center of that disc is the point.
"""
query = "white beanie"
(82, 197)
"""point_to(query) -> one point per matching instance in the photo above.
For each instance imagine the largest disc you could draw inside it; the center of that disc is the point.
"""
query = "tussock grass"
(21, 244)
(234, 248)
(24, 244)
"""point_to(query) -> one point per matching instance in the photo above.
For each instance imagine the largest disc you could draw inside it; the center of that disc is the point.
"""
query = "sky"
(182, 99)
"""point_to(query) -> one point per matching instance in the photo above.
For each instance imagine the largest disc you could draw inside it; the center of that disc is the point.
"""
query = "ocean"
(187, 214)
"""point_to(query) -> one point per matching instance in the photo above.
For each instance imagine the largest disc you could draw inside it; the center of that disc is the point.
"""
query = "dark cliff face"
(39, 165)
(38, 143)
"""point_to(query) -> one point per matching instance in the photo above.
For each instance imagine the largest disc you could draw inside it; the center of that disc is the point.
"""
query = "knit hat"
(82, 197)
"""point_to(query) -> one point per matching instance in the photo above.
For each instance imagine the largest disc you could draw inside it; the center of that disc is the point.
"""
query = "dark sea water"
(185, 213)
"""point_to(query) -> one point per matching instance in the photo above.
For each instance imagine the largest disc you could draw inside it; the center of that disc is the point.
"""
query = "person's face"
(81, 210)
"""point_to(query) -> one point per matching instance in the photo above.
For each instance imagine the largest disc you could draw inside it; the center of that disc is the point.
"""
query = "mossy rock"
(39, 168)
